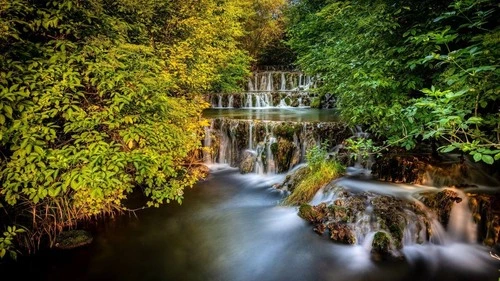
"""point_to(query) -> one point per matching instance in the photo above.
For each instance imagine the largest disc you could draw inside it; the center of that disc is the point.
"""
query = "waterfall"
(229, 139)
(283, 82)
(250, 137)
(207, 154)
(288, 88)
(219, 104)
(461, 226)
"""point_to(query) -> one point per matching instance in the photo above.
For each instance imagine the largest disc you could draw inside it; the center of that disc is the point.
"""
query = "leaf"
(448, 148)
(487, 159)
(477, 157)
(8, 111)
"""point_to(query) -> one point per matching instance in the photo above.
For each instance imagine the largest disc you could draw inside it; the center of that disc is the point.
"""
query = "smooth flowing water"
(231, 227)
(275, 114)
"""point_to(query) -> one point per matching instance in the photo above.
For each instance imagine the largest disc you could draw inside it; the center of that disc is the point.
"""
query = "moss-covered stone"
(247, 163)
(381, 246)
(72, 239)
(341, 233)
(441, 203)
(294, 178)
(485, 209)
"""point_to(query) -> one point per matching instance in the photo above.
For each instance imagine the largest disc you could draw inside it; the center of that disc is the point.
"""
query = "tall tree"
(100, 98)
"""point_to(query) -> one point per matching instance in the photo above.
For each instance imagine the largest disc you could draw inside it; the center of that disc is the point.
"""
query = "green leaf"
(477, 157)
(448, 148)
(487, 159)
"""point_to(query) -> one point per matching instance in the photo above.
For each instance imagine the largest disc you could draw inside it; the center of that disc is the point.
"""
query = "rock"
(341, 233)
(441, 203)
(401, 167)
(248, 162)
(283, 157)
(365, 212)
(293, 179)
(381, 246)
(313, 214)
(485, 210)
(72, 239)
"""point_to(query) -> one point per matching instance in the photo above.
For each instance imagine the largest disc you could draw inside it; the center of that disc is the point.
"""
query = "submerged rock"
(341, 233)
(72, 239)
(351, 217)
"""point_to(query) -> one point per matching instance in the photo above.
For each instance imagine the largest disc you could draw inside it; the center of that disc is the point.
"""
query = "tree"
(409, 71)
(102, 98)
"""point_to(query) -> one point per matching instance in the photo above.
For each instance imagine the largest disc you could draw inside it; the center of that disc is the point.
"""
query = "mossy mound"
(72, 239)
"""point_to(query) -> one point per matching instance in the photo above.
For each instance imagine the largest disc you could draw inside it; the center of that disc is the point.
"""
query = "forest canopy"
(409, 71)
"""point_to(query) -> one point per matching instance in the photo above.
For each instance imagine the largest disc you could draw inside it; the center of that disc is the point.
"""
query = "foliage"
(264, 25)
(6, 243)
(361, 148)
(321, 172)
(410, 71)
(99, 99)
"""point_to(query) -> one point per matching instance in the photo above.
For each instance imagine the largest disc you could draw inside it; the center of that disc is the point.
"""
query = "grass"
(317, 177)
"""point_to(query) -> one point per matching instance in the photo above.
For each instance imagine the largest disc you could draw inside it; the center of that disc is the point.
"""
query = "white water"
(461, 226)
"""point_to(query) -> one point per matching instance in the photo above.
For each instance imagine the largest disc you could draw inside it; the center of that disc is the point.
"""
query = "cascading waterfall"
(400, 205)
(375, 210)
(270, 89)
(276, 146)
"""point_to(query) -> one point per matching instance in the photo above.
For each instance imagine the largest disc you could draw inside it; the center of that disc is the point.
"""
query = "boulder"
(247, 163)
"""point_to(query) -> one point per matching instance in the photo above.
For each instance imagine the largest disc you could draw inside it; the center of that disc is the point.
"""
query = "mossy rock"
(381, 246)
(313, 214)
(72, 239)
(441, 203)
(341, 233)
(339, 213)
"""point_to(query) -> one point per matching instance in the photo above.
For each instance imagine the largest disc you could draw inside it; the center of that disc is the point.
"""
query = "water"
(231, 227)
(275, 114)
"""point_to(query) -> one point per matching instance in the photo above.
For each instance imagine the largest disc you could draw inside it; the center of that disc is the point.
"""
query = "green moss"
(73, 238)
(397, 234)
(313, 181)
(316, 102)
(339, 213)
(381, 243)
(274, 148)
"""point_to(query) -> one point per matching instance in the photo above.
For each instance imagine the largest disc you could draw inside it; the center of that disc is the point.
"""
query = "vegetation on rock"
(321, 172)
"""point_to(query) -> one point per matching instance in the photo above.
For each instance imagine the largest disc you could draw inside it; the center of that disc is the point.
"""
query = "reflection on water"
(275, 114)
(230, 227)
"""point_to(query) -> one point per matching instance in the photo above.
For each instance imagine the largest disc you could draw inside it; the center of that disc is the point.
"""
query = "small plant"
(6, 244)
(321, 172)
(361, 148)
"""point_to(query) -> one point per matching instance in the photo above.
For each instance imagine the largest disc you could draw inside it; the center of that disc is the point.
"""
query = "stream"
(232, 227)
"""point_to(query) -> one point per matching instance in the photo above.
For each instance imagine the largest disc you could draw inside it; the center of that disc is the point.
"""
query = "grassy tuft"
(316, 178)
